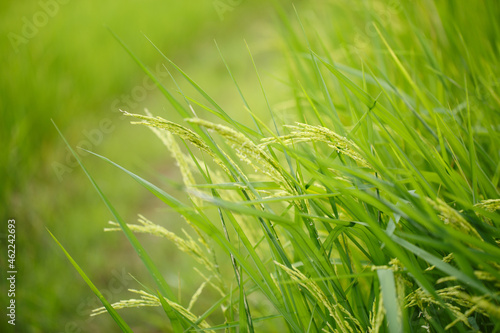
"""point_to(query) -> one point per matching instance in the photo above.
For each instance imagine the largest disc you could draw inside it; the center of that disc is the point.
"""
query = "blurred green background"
(60, 62)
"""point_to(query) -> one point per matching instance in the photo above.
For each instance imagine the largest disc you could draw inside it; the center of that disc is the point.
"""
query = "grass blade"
(116, 317)
(153, 270)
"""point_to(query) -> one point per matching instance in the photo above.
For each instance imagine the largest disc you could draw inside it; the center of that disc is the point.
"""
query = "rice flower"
(489, 205)
(377, 315)
(188, 245)
(422, 299)
(310, 133)
(455, 299)
(179, 130)
(196, 295)
(148, 299)
(248, 152)
(182, 160)
(450, 216)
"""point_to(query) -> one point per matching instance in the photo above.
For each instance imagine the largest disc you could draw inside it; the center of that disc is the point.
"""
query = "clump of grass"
(376, 212)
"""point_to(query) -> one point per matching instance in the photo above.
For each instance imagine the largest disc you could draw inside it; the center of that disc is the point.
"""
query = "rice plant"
(374, 210)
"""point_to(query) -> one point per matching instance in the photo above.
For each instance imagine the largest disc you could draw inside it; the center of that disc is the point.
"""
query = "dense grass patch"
(368, 201)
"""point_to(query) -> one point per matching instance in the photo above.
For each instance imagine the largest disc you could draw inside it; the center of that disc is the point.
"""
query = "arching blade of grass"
(112, 312)
(271, 113)
(153, 270)
(174, 319)
(390, 299)
(319, 76)
(244, 210)
(180, 109)
(360, 93)
(237, 87)
(418, 91)
(289, 198)
(222, 114)
(235, 123)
